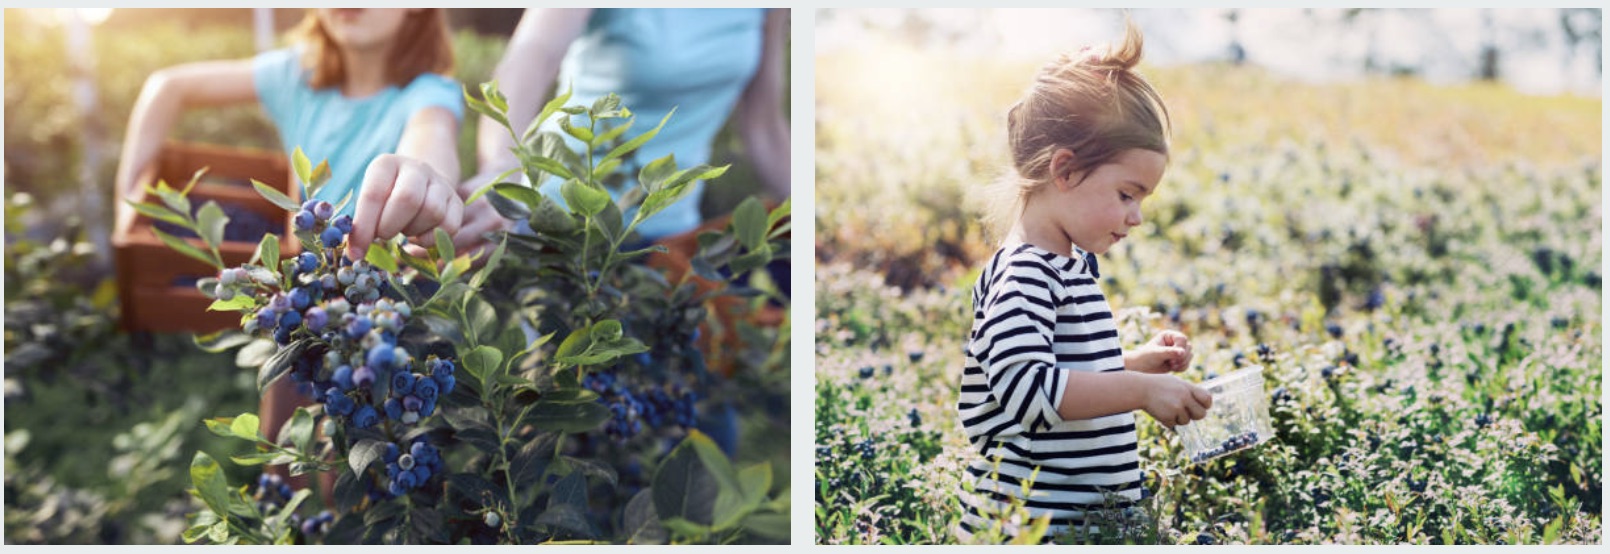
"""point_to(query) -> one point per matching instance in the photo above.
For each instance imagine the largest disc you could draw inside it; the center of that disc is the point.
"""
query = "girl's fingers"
(372, 194)
(403, 207)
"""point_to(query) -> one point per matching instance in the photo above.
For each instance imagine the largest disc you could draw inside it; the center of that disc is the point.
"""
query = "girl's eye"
(1125, 196)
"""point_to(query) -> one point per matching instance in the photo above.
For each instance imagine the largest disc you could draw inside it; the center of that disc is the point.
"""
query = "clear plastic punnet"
(1238, 420)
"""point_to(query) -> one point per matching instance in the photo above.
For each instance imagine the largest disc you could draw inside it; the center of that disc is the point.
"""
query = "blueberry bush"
(547, 391)
(1416, 267)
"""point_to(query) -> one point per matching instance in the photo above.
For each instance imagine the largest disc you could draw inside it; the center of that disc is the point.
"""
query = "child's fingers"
(372, 194)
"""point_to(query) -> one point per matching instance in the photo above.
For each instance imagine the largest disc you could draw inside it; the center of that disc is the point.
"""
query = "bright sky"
(1443, 44)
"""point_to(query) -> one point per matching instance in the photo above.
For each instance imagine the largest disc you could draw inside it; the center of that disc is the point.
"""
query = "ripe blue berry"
(394, 410)
(363, 377)
(342, 222)
(365, 417)
(342, 377)
(316, 318)
(323, 210)
(307, 262)
(303, 221)
(331, 237)
(381, 357)
(402, 382)
(289, 320)
(426, 388)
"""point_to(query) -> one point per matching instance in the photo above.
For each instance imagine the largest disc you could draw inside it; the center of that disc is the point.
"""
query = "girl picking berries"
(1047, 393)
(366, 89)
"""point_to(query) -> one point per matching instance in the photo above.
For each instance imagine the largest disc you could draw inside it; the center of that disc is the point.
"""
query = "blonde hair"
(1092, 102)
(425, 48)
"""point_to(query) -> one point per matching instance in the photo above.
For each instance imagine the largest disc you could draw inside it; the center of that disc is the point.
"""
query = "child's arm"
(165, 95)
(759, 113)
(1168, 399)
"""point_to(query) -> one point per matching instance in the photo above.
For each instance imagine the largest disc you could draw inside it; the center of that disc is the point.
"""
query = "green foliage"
(519, 432)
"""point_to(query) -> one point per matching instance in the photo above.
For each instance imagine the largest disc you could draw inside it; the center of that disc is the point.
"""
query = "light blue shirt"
(695, 60)
(348, 132)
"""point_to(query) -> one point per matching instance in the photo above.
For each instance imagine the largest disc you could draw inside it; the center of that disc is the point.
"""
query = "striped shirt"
(1036, 316)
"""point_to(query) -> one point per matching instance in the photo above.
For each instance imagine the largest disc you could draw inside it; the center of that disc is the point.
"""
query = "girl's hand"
(404, 195)
(1168, 352)
(1173, 401)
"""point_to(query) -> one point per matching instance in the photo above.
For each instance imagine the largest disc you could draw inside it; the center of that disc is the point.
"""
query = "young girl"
(365, 89)
(1047, 386)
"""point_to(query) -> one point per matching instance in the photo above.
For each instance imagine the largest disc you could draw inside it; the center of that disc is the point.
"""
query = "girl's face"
(363, 28)
(1097, 208)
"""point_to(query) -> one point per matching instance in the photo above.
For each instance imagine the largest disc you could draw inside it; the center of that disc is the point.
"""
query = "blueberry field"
(1417, 268)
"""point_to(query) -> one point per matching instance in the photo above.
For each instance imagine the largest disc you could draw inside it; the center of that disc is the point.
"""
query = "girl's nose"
(1134, 219)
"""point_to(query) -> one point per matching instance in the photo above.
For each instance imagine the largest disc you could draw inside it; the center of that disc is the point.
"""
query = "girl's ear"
(1062, 164)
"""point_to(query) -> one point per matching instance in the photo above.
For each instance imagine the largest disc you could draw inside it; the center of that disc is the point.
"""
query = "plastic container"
(1238, 420)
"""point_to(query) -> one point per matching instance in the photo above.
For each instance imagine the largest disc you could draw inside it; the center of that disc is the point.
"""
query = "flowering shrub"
(503, 403)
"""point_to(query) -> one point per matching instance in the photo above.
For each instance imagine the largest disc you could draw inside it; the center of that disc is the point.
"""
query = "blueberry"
(342, 377)
(914, 355)
(316, 319)
(332, 237)
(303, 221)
(868, 371)
(290, 320)
(365, 417)
(492, 519)
(342, 222)
(1334, 330)
(412, 403)
(402, 382)
(363, 377)
(426, 388)
(322, 210)
(307, 262)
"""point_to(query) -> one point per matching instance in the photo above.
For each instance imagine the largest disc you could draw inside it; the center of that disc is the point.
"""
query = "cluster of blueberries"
(355, 367)
(1232, 444)
(406, 471)
(273, 492)
(631, 407)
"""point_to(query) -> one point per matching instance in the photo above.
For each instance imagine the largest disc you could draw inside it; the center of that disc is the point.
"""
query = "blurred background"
(100, 424)
(1396, 213)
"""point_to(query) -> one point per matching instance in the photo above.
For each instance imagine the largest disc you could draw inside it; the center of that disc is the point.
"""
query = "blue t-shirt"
(348, 132)
(695, 60)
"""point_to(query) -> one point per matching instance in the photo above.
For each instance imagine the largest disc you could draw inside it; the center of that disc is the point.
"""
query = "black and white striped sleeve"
(1013, 343)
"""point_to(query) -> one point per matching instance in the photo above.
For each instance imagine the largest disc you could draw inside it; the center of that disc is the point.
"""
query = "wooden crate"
(151, 275)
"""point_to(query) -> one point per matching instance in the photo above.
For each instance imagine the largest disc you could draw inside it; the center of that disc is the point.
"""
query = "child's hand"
(1168, 352)
(403, 195)
(1173, 401)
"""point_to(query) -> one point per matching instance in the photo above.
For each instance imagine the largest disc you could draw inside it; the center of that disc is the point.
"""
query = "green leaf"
(298, 432)
(365, 453)
(158, 212)
(245, 426)
(380, 255)
(778, 213)
(543, 164)
(484, 109)
(280, 362)
(565, 517)
(481, 320)
(519, 193)
(275, 196)
(187, 249)
(492, 262)
(749, 223)
(638, 140)
(582, 134)
(614, 132)
(575, 343)
(301, 165)
(755, 481)
(483, 362)
(570, 396)
(570, 490)
(444, 245)
(583, 197)
(642, 524)
(608, 330)
(260, 458)
(771, 526)
(210, 484)
(606, 106)
(268, 251)
(528, 465)
(321, 175)
(654, 175)
(494, 97)
(753, 259)
(547, 111)
(567, 417)
(221, 340)
(685, 487)
(220, 426)
(241, 302)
